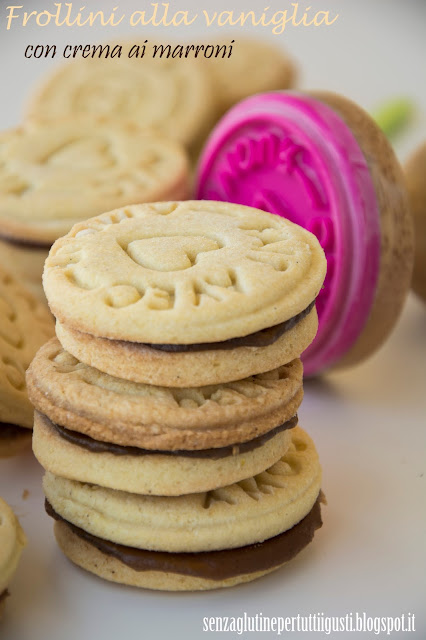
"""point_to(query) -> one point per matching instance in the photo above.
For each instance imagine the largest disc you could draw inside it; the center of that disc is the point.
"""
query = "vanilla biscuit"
(255, 66)
(77, 457)
(81, 398)
(145, 363)
(240, 514)
(173, 96)
(12, 542)
(187, 277)
(25, 325)
(180, 537)
(55, 174)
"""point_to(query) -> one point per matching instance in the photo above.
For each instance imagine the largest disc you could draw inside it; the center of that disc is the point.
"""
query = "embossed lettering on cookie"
(185, 293)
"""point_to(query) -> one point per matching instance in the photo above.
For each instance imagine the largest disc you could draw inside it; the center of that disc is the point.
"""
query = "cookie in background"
(415, 175)
(54, 174)
(25, 324)
(172, 96)
(255, 66)
(12, 542)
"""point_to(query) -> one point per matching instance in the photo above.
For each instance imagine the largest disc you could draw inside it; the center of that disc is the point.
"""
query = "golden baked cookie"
(255, 66)
(73, 455)
(186, 277)
(54, 174)
(81, 398)
(242, 531)
(173, 96)
(415, 175)
(145, 363)
(25, 324)
(12, 542)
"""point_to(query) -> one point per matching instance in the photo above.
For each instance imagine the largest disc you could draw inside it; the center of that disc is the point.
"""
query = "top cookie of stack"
(185, 294)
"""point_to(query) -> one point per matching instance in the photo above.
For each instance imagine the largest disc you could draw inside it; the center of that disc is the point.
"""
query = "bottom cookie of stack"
(209, 540)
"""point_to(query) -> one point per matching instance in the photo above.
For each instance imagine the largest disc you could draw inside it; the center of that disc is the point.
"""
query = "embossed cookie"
(254, 66)
(25, 325)
(415, 175)
(155, 440)
(173, 96)
(200, 541)
(12, 542)
(53, 175)
(186, 293)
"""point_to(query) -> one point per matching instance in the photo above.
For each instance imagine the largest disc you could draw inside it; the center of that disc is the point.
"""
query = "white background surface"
(369, 423)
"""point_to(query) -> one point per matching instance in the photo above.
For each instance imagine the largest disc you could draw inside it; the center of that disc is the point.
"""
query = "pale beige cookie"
(174, 96)
(415, 175)
(240, 514)
(25, 325)
(55, 174)
(182, 273)
(142, 363)
(78, 457)
(185, 572)
(26, 261)
(114, 410)
(255, 66)
(12, 542)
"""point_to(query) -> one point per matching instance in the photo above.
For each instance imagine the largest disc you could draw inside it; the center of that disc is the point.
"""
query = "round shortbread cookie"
(88, 557)
(415, 175)
(240, 514)
(25, 324)
(187, 571)
(55, 174)
(173, 96)
(182, 273)
(255, 66)
(150, 473)
(81, 398)
(12, 541)
(142, 363)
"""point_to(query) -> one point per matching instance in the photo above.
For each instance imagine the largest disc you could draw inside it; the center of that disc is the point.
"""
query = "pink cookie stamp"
(293, 155)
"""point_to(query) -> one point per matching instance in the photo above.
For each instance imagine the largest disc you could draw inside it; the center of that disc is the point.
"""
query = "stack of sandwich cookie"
(12, 542)
(54, 175)
(25, 324)
(185, 294)
(212, 458)
(146, 439)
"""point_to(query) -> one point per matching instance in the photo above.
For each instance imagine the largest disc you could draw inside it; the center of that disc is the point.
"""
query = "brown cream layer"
(211, 565)
(97, 446)
(4, 595)
(262, 338)
(11, 431)
(25, 244)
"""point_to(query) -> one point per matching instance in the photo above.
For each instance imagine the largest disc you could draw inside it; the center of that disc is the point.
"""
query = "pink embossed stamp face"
(292, 155)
